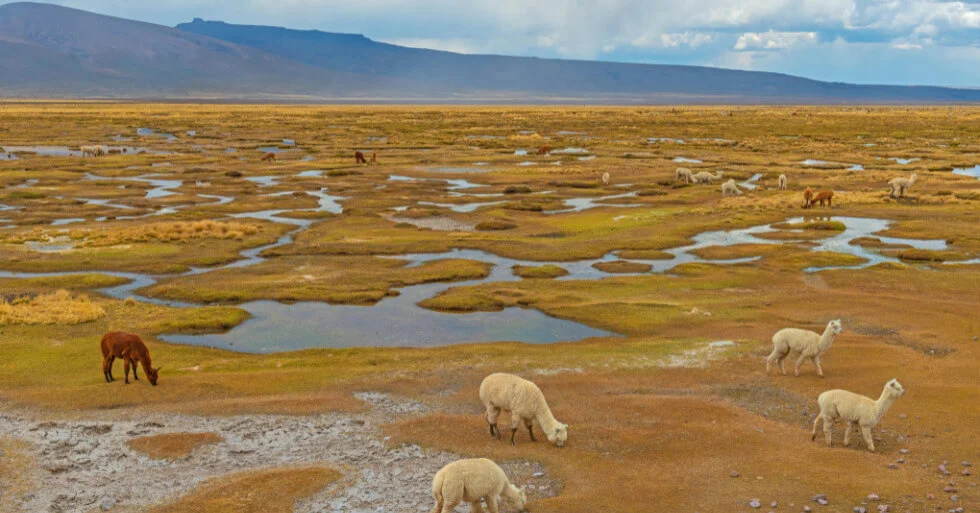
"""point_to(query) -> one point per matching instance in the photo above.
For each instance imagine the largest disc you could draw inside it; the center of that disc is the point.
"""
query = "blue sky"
(934, 42)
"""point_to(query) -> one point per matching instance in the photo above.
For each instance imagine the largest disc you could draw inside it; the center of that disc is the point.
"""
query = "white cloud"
(773, 40)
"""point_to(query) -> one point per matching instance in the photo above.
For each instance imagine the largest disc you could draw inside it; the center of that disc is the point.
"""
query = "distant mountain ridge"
(49, 50)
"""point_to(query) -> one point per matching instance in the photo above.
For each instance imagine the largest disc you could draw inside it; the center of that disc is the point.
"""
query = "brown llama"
(544, 150)
(374, 157)
(269, 157)
(359, 157)
(821, 197)
(807, 196)
(132, 350)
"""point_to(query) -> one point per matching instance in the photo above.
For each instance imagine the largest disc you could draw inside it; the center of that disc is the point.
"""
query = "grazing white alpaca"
(807, 343)
(605, 178)
(470, 481)
(729, 187)
(855, 410)
(782, 182)
(900, 186)
(707, 178)
(685, 174)
(525, 402)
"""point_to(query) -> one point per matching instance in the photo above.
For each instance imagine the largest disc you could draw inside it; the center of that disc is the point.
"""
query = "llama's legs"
(105, 368)
(847, 433)
(866, 433)
(492, 414)
(816, 361)
(828, 431)
(448, 507)
(476, 507)
(530, 431)
(133, 362)
(492, 504)
(799, 362)
(126, 369)
(112, 359)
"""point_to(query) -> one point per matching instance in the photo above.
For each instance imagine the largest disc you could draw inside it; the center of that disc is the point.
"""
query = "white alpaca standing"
(901, 185)
(729, 187)
(605, 178)
(809, 344)
(685, 174)
(782, 182)
(525, 402)
(855, 410)
(706, 177)
(470, 481)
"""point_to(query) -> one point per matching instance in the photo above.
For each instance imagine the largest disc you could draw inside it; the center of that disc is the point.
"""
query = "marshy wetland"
(333, 321)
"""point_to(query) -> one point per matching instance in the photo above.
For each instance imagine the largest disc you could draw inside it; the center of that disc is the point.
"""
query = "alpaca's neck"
(882, 404)
(828, 337)
(511, 492)
(145, 362)
(547, 421)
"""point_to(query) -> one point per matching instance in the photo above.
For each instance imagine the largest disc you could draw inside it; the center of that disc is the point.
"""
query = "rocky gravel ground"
(86, 465)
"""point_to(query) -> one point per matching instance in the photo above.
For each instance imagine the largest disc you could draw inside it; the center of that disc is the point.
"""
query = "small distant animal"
(706, 177)
(782, 182)
(822, 196)
(544, 150)
(132, 350)
(269, 157)
(900, 186)
(94, 151)
(359, 157)
(856, 411)
(472, 480)
(807, 196)
(605, 178)
(685, 174)
(730, 187)
(374, 157)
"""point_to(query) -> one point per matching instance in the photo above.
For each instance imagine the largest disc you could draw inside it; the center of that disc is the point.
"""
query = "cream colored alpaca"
(470, 481)
(782, 182)
(605, 178)
(855, 410)
(525, 402)
(809, 344)
(685, 174)
(707, 178)
(730, 187)
(901, 185)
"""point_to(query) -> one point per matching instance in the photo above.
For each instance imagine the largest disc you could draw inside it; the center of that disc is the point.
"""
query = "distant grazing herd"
(473, 480)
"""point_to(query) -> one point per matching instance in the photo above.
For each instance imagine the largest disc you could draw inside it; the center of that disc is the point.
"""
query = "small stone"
(965, 472)
(966, 463)
(883, 508)
(823, 502)
(873, 497)
(903, 451)
(949, 489)
(773, 505)
(942, 469)
(107, 503)
(902, 416)
(816, 498)
(931, 497)
(755, 504)
(859, 509)
(734, 474)
(893, 465)
(807, 509)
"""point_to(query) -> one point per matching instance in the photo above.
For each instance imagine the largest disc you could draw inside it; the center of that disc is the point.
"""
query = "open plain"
(323, 325)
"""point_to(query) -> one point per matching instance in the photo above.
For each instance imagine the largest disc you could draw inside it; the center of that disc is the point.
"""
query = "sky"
(909, 42)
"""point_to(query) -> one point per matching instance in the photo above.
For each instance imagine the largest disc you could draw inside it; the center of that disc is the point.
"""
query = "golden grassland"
(646, 409)
(60, 307)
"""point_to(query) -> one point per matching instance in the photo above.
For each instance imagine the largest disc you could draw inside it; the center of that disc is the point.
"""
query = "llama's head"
(519, 498)
(153, 375)
(894, 388)
(558, 434)
(835, 327)
(913, 177)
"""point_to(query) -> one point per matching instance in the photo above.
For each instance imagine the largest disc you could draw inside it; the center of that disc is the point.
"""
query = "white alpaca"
(706, 177)
(605, 178)
(470, 481)
(685, 174)
(809, 344)
(100, 151)
(855, 410)
(525, 402)
(782, 182)
(901, 185)
(729, 187)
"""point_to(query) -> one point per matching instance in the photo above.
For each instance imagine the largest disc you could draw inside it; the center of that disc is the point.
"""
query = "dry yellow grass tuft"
(60, 307)
(172, 446)
(263, 491)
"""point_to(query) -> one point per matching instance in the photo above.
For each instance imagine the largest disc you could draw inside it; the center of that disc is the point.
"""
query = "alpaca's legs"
(492, 413)
(112, 360)
(527, 423)
(492, 504)
(816, 361)
(777, 356)
(448, 507)
(513, 433)
(137, 378)
(799, 362)
(476, 507)
(126, 368)
(847, 433)
(816, 423)
(866, 432)
(105, 368)
(828, 431)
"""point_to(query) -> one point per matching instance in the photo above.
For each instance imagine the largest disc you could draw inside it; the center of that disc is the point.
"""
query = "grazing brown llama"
(544, 150)
(807, 196)
(821, 197)
(132, 350)
(359, 157)
(269, 157)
